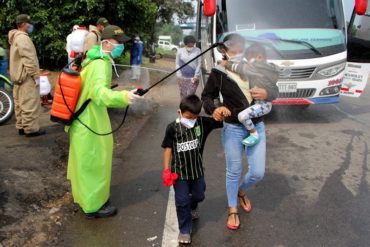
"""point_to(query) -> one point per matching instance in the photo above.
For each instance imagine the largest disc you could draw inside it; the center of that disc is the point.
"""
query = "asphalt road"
(315, 191)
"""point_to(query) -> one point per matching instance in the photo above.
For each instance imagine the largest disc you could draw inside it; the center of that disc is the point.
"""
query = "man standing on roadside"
(94, 35)
(24, 73)
(137, 58)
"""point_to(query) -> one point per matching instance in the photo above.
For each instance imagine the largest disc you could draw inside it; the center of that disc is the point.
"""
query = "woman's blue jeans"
(232, 136)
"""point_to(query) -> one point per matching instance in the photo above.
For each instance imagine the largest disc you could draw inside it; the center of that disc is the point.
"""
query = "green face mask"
(117, 51)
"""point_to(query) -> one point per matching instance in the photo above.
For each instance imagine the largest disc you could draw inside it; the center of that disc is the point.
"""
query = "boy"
(182, 159)
(260, 74)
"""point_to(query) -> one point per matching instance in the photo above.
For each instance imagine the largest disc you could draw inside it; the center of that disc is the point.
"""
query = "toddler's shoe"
(251, 140)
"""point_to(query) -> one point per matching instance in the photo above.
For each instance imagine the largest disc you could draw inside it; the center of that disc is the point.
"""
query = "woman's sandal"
(230, 226)
(245, 203)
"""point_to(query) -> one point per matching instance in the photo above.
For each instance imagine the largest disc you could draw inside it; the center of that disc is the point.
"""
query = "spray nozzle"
(140, 91)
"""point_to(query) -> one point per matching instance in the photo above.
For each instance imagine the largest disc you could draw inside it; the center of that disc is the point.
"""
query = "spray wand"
(140, 91)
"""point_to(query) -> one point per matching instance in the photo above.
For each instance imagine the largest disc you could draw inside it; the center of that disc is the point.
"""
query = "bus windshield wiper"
(312, 48)
(269, 44)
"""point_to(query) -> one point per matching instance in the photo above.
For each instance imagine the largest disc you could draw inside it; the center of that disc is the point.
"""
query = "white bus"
(306, 39)
(358, 45)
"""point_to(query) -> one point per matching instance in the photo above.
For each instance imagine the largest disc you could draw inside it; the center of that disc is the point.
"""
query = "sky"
(348, 8)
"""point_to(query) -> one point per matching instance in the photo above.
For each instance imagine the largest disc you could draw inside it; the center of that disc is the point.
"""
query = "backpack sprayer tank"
(66, 96)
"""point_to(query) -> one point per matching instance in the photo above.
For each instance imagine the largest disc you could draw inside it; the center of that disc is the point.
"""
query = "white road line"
(171, 226)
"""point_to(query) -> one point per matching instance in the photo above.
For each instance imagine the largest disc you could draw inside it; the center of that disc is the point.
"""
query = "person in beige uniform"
(94, 35)
(24, 73)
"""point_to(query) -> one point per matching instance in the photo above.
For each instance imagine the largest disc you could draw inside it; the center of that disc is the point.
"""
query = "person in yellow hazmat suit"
(90, 155)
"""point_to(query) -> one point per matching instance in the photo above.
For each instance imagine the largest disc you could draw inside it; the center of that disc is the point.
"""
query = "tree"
(167, 9)
(56, 18)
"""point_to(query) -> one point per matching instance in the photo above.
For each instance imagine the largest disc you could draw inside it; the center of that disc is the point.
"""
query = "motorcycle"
(6, 99)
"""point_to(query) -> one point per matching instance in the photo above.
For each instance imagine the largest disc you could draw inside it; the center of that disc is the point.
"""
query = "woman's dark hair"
(189, 40)
(191, 103)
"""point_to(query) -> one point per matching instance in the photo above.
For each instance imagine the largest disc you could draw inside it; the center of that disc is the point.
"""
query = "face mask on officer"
(30, 28)
(117, 50)
(115, 53)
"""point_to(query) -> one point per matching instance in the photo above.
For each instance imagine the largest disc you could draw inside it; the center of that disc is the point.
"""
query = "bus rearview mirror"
(361, 6)
(209, 7)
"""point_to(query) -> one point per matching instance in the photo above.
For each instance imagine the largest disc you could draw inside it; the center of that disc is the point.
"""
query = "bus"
(307, 40)
(358, 47)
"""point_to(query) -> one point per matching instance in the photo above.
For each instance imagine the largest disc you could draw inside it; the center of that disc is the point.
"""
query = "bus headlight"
(333, 70)
(330, 90)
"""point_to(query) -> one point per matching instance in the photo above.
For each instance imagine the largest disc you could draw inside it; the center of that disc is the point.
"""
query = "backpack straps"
(79, 111)
(84, 105)
(97, 35)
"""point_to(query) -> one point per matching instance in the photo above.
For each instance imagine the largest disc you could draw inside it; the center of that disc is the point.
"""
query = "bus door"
(357, 72)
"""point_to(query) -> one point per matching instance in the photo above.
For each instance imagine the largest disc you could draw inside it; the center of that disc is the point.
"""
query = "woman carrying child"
(237, 96)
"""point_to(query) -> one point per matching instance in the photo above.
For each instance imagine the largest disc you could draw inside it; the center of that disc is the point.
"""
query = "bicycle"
(6, 99)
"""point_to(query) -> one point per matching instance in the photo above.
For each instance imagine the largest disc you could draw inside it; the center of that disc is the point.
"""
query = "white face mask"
(188, 123)
(189, 49)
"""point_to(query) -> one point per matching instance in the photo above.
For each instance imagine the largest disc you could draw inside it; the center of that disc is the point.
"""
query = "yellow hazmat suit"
(90, 155)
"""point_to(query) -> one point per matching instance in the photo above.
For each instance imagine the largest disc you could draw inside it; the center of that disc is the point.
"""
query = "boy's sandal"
(184, 238)
(251, 140)
(245, 203)
(231, 226)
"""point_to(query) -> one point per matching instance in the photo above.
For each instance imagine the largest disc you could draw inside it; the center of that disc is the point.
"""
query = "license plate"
(287, 87)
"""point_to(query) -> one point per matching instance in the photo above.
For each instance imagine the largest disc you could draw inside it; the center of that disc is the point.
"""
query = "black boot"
(40, 132)
(105, 211)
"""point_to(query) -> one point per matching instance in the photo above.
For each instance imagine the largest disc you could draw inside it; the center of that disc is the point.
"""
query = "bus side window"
(358, 43)
(220, 23)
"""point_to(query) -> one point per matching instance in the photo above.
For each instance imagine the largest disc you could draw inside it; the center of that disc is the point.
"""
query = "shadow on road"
(301, 114)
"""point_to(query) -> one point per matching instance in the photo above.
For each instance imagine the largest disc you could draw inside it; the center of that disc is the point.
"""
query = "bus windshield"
(317, 26)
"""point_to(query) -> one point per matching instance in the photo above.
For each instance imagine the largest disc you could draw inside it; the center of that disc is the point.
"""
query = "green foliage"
(56, 18)
(124, 59)
(166, 9)
(354, 29)
(165, 53)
